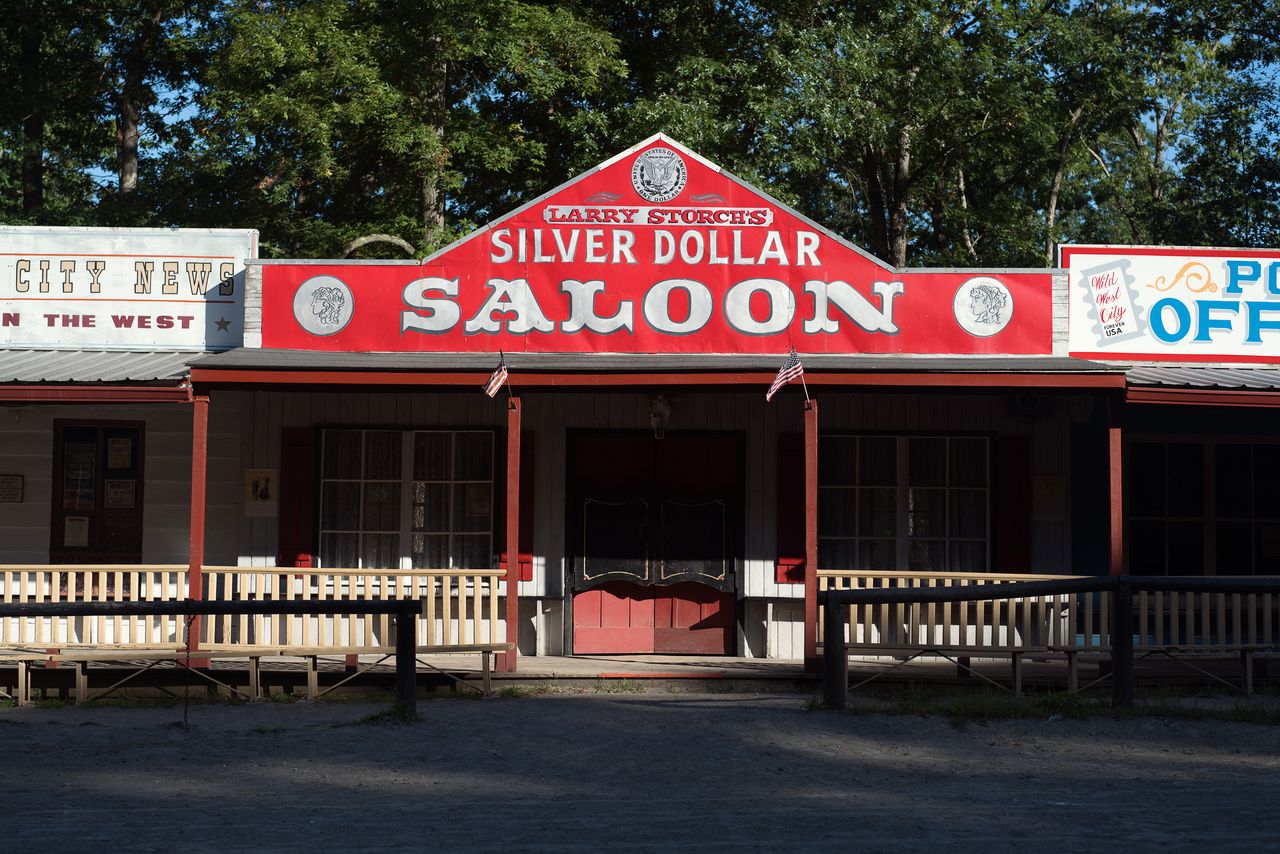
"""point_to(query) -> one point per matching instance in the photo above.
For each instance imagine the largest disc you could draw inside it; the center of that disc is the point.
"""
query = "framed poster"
(260, 488)
(119, 453)
(118, 494)
(11, 488)
(75, 532)
(79, 475)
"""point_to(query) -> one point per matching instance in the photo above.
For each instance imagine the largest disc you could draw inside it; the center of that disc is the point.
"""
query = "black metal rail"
(835, 658)
(406, 612)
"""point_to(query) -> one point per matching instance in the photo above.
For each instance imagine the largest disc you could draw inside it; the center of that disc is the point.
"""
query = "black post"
(407, 658)
(1122, 646)
(835, 657)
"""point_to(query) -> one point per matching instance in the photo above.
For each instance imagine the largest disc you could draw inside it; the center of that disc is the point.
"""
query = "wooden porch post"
(812, 663)
(199, 466)
(507, 661)
(1115, 454)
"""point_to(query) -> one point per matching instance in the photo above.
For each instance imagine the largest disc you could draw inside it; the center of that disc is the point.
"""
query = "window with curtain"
(903, 503)
(407, 499)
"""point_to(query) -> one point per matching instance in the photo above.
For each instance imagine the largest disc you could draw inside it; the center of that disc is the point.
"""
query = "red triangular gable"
(655, 250)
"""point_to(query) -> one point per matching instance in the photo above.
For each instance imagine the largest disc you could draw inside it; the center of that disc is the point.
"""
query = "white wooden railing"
(460, 608)
(1076, 622)
(102, 583)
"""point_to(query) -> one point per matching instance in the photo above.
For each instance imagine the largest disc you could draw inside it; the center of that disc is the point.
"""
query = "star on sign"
(222, 324)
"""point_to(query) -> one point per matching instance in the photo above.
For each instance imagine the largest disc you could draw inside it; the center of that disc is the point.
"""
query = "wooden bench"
(82, 657)
(312, 654)
(23, 660)
(1185, 653)
(956, 654)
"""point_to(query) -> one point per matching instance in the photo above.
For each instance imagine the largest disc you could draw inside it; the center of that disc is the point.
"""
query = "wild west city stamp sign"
(1172, 304)
(656, 250)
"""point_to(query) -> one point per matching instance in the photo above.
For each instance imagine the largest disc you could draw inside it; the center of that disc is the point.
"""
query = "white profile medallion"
(323, 305)
(658, 175)
(983, 306)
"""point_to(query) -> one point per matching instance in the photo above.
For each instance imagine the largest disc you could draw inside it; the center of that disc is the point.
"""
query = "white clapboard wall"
(26, 448)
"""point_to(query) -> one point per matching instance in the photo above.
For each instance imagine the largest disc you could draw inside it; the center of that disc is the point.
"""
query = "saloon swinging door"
(654, 536)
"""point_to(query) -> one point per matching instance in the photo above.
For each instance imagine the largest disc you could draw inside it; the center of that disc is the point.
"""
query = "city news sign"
(123, 288)
(654, 251)
(1173, 304)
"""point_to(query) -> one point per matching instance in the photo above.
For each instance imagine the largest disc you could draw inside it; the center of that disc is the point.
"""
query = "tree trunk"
(898, 209)
(1064, 149)
(970, 245)
(432, 195)
(127, 120)
(875, 201)
(32, 111)
(136, 62)
(1157, 168)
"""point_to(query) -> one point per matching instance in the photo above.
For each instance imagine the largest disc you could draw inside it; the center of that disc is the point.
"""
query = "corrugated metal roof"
(93, 366)
(1204, 377)
(307, 360)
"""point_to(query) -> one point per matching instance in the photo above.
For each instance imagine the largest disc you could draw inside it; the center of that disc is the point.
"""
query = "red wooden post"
(1115, 448)
(199, 466)
(812, 663)
(507, 661)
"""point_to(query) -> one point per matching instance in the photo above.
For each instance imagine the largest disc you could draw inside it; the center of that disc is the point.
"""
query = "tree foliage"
(929, 131)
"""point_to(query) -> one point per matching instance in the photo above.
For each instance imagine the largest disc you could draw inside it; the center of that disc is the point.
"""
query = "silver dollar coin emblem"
(658, 175)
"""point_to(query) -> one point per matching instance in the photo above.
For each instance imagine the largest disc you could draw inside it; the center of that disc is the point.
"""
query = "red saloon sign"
(656, 250)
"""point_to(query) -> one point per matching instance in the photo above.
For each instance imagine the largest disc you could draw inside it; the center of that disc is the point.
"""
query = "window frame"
(1209, 517)
(902, 537)
(405, 482)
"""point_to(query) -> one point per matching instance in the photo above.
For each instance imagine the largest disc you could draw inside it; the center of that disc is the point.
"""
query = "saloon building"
(635, 474)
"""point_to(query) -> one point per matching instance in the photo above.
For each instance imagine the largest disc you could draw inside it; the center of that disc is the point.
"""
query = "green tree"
(49, 136)
(327, 121)
(888, 115)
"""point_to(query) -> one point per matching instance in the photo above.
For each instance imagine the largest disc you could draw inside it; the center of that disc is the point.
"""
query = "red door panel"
(693, 618)
(615, 617)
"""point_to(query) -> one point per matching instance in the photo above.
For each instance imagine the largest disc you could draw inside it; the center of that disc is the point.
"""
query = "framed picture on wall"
(11, 488)
(119, 453)
(118, 494)
(260, 487)
(75, 532)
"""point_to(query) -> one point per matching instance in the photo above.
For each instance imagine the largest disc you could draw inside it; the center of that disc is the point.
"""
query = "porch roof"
(94, 366)
(254, 365)
(1204, 385)
(1211, 376)
(94, 376)
(310, 360)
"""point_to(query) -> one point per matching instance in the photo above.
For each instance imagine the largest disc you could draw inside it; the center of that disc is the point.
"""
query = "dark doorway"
(654, 536)
(97, 493)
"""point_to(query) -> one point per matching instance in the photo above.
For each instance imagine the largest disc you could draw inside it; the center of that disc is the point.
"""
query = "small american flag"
(791, 369)
(498, 378)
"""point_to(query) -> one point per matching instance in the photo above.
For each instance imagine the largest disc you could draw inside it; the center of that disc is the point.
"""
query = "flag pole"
(803, 384)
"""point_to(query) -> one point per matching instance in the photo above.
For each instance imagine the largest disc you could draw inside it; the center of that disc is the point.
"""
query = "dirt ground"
(631, 772)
